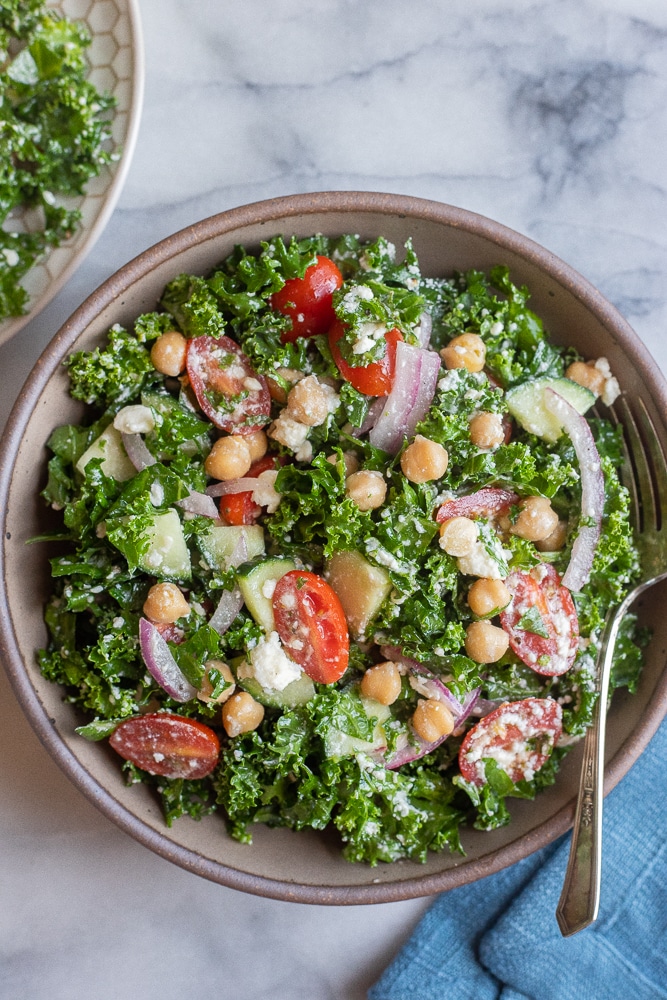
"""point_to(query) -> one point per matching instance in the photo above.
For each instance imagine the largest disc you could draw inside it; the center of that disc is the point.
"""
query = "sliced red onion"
(228, 608)
(161, 664)
(428, 383)
(199, 503)
(239, 553)
(245, 485)
(415, 381)
(424, 329)
(374, 411)
(592, 489)
(137, 451)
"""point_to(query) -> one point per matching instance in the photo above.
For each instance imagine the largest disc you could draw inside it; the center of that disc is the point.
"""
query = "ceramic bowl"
(304, 867)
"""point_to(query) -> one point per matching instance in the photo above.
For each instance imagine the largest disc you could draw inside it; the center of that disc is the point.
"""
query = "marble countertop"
(549, 117)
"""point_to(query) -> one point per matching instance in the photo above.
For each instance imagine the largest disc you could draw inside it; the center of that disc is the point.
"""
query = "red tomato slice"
(541, 589)
(311, 624)
(240, 508)
(308, 300)
(518, 735)
(228, 389)
(375, 379)
(488, 502)
(169, 745)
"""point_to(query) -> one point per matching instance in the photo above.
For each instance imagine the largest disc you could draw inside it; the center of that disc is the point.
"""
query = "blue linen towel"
(498, 939)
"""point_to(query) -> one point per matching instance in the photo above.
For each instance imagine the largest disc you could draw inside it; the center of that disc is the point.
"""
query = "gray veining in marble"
(548, 115)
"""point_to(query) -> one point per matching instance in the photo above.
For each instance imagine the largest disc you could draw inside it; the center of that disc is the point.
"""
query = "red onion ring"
(161, 665)
(137, 451)
(592, 489)
(415, 382)
(199, 503)
(247, 484)
(228, 608)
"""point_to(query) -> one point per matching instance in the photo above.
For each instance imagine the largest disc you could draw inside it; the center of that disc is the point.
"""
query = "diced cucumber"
(221, 542)
(296, 693)
(361, 588)
(109, 447)
(340, 744)
(526, 404)
(167, 556)
(257, 582)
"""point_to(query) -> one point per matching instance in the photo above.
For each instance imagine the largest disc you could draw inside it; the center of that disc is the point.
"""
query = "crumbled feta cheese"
(478, 562)
(265, 493)
(271, 666)
(11, 256)
(136, 419)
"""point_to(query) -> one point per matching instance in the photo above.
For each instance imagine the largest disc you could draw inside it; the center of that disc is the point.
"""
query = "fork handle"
(580, 899)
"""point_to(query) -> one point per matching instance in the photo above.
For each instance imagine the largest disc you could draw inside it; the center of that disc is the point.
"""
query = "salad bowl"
(304, 867)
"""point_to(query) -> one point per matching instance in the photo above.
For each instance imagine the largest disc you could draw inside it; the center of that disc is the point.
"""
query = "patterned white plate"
(116, 63)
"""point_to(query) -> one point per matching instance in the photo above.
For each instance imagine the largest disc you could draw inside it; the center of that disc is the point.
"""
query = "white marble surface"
(549, 116)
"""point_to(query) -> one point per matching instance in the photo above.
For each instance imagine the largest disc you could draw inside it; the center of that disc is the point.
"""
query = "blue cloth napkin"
(498, 939)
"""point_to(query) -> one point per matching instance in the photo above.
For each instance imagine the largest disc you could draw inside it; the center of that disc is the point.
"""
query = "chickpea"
(432, 719)
(229, 458)
(586, 374)
(241, 714)
(168, 353)
(536, 521)
(257, 442)
(165, 604)
(367, 488)
(350, 461)
(486, 430)
(458, 536)
(310, 402)
(487, 597)
(486, 643)
(424, 460)
(204, 693)
(382, 682)
(555, 541)
(468, 351)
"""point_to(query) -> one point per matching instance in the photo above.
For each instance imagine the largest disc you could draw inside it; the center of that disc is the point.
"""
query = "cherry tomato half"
(375, 379)
(518, 735)
(308, 300)
(488, 502)
(170, 745)
(228, 389)
(540, 601)
(240, 508)
(311, 624)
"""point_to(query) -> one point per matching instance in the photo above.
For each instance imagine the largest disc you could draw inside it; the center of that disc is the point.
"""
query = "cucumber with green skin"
(297, 693)
(220, 542)
(526, 404)
(256, 582)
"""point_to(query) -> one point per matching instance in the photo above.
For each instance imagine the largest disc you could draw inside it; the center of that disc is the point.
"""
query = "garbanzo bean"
(229, 458)
(350, 461)
(458, 536)
(382, 682)
(206, 689)
(555, 541)
(485, 643)
(486, 430)
(367, 488)
(165, 604)
(241, 714)
(424, 460)
(488, 597)
(310, 402)
(468, 351)
(586, 374)
(168, 353)
(536, 521)
(257, 442)
(432, 719)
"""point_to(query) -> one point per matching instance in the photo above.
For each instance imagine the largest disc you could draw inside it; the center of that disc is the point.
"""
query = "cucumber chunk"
(340, 744)
(297, 693)
(167, 556)
(526, 404)
(360, 587)
(257, 582)
(109, 447)
(219, 543)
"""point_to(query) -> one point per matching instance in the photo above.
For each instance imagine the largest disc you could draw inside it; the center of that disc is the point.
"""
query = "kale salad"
(54, 134)
(337, 545)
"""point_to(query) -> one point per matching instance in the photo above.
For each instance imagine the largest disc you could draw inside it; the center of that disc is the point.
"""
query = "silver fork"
(644, 473)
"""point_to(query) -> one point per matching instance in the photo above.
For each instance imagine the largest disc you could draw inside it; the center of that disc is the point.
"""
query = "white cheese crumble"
(478, 562)
(265, 493)
(136, 419)
(271, 666)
